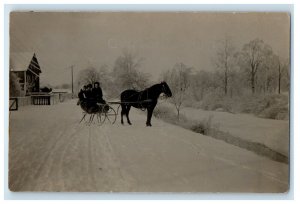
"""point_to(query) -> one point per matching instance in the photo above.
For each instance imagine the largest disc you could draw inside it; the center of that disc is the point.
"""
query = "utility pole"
(72, 73)
(279, 77)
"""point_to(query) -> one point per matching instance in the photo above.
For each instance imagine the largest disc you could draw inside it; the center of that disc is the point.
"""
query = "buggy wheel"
(83, 117)
(100, 118)
(90, 120)
(87, 118)
(111, 115)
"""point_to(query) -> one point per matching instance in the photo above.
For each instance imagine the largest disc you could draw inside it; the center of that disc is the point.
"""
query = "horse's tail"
(122, 95)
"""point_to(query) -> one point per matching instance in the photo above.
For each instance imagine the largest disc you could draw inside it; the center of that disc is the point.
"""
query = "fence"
(13, 104)
(44, 99)
(22, 101)
(37, 99)
(40, 100)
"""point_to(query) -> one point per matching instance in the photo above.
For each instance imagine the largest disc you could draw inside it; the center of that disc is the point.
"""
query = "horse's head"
(166, 89)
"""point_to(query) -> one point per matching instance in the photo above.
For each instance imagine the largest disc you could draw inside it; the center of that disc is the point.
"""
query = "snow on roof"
(19, 61)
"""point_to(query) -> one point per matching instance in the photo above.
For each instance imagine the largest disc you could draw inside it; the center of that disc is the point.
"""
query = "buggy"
(98, 113)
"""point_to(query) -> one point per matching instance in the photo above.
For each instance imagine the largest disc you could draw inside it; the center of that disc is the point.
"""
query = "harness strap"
(140, 101)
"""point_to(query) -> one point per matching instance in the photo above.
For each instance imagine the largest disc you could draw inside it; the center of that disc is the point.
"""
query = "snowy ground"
(50, 151)
(272, 133)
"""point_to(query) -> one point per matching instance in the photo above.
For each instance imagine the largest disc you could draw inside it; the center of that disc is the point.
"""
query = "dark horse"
(146, 99)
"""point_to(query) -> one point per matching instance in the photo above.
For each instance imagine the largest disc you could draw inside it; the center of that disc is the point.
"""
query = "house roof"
(20, 61)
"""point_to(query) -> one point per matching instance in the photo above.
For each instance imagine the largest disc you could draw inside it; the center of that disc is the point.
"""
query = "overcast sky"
(162, 39)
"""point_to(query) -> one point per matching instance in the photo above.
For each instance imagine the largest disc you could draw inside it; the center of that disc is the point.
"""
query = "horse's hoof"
(129, 123)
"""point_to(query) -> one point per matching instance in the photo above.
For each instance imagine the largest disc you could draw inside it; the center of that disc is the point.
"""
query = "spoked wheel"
(90, 119)
(105, 113)
(87, 118)
(84, 115)
(110, 114)
(100, 117)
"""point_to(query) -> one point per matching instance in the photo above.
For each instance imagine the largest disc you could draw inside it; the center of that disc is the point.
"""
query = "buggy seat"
(92, 107)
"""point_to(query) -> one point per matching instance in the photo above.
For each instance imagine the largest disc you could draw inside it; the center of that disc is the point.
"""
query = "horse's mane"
(151, 87)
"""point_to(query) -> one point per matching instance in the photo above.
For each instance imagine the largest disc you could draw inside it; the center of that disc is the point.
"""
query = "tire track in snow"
(50, 159)
(19, 177)
(41, 161)
(58, 162)
(91, 176)
(118, 180)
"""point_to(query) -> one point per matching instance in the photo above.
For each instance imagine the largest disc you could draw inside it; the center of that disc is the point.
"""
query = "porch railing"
(40, 99)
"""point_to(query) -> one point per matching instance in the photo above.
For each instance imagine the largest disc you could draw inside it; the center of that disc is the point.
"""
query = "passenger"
(97, 93)
(88, 92)
(81, 95)
(91, 102)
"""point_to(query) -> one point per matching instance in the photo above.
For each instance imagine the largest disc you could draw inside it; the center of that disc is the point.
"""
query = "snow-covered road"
(51, 151)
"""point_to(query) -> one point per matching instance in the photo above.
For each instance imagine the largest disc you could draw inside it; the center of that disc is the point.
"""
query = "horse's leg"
(127, 114)
(149, 115)
(122, 112)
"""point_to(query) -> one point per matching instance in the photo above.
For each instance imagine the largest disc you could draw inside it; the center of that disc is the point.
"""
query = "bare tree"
(251, 57)
(279, 77)
(266, 76)
(179, 81)
(88, 76)
(273, 71)
(126, 72)
(203, 82)
(224, 60)
(286, 75)
(282, 68)
(106, 77)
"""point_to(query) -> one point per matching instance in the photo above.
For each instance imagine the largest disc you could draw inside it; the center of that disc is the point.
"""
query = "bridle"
(163, 90)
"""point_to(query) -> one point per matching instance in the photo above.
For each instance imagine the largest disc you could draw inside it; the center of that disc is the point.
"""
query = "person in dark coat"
(97, 93)
(81, 94)
(90, 101)
(89, 92)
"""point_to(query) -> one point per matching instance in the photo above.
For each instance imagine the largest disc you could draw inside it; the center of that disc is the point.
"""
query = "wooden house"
(26, 66)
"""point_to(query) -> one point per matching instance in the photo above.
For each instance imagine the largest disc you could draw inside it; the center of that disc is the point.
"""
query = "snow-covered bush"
(168, 114)
(275, 107)
(215, 101)
(277, 112)
(272, 106)
(205, 126)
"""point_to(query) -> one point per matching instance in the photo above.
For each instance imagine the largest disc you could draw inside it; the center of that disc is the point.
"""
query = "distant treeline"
(251, 71)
